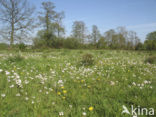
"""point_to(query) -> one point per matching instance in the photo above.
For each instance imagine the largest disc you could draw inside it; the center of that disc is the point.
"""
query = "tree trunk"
(12, 34)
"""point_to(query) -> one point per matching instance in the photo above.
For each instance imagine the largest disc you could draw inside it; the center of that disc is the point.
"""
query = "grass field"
(54, 83)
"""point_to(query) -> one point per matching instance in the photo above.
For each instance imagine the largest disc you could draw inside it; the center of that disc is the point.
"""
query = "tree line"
(18, 22)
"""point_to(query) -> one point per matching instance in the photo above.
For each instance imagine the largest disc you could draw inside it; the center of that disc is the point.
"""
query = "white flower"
(18, 94)
(1, 70)
(84, 113)
(32, 102)
(7, 73)
(11, 86)
(40, 91)
(26, 98)
(47, 92)
(70, 106)
(53, 103)
(61, 113)
(112, 83)
(3, 95)
(60, 82)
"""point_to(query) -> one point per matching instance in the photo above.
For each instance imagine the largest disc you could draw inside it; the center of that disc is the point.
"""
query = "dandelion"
(64, 91)
(3, 95)
(62, 87)
(91, 108)
(61, 113)
(58, 93)
(64, 98)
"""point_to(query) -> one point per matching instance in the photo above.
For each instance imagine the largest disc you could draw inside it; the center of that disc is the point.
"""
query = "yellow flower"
(64, 91)
(98, 79)
(62, 87)
(82, 81)
(91, 108)
(64, 98)
(58, 93)
(89, 86)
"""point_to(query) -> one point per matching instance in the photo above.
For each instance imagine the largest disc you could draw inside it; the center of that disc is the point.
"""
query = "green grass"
(52, 82)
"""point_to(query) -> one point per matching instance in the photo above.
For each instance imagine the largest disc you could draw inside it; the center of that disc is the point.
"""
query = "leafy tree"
(150, 42)
(16, 17)
(102, 44)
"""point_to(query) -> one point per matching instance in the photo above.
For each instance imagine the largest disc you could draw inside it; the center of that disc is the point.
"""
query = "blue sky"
(136, 15)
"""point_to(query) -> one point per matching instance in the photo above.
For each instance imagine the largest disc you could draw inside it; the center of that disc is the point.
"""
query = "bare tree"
(48, 16)
(58, 24)
(79, 30)
(16, 16)
(95, 34)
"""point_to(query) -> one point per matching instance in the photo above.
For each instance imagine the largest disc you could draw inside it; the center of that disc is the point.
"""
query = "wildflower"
(32, 102)
(61, 113)
(70, 106)
(26, 98)
(3, 95)
(84, 113)
(11, 86)
(40, 91)
(7, 73)
(53, 103)
(47, 92)
(64, 98)
(91, 108)
(64, 91)
(1, 70)
(82, 81)
(112, 83)
(62, 87)
(18, 94)
(89, 86)
(58, 93)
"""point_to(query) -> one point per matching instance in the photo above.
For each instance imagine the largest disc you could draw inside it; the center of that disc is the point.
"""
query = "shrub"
(151, 60)
(15, 58)
(87, 59)
(22, 46)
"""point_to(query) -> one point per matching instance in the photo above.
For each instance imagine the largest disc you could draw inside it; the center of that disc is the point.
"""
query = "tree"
(102, 44)
(95, 34)
(108, 36)
(150, 42)
(79, 30)
(151, 36)
(58, 24)
(17, 18)
(48, 16)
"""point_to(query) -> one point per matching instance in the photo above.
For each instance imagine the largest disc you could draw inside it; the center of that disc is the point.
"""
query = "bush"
(87, 60)
(22, 46)
(151, 60)
(15, 58)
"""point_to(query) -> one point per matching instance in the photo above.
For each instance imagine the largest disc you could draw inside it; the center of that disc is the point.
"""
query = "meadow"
(55, 83)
